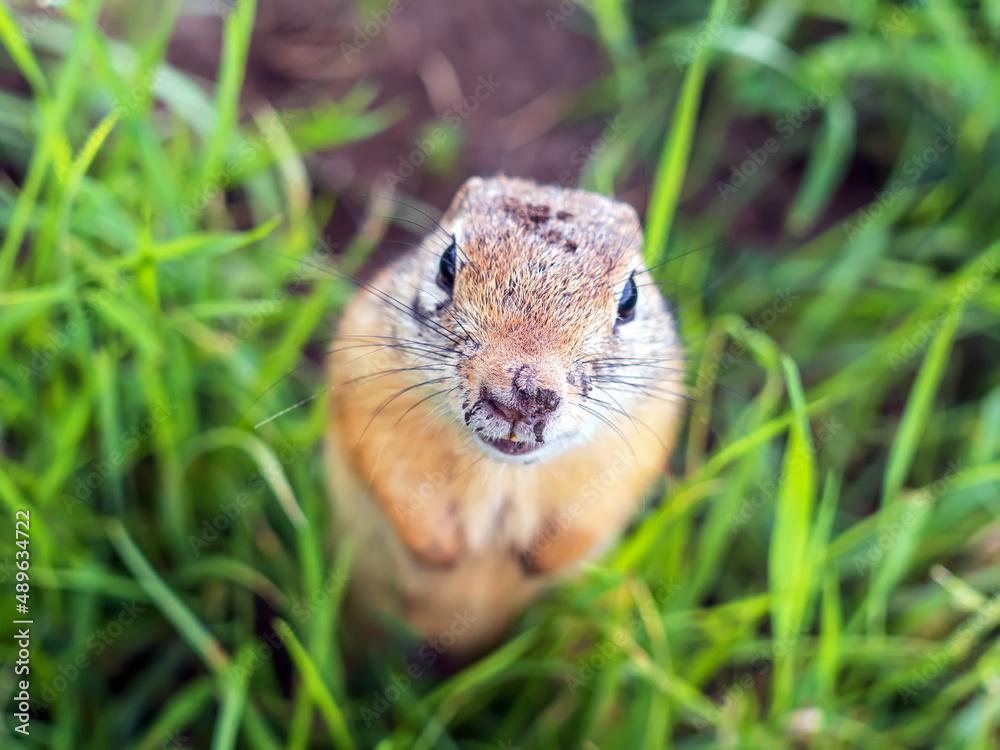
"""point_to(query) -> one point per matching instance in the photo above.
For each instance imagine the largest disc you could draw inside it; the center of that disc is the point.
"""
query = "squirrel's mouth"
(511, 447)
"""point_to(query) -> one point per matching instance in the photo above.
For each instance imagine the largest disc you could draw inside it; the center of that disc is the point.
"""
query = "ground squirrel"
(503, 397)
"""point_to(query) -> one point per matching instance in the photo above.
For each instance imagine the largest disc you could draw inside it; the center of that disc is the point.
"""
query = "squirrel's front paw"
(527, 560)
(440, 552)
(555, 547)
(437, 539)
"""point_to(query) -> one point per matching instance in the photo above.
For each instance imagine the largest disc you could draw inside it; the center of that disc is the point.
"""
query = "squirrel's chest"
(503, 507)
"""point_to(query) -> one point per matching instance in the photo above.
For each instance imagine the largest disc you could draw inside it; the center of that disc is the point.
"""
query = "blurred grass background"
(824, 568)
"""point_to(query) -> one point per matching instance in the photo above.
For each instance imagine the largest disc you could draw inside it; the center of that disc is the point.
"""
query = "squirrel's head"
(534, 305)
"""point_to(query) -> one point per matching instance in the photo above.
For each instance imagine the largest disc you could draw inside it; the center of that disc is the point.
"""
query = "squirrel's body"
(496, 415)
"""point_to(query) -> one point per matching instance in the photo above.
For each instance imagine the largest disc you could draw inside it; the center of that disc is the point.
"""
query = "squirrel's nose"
(533, 400)
(528, 403)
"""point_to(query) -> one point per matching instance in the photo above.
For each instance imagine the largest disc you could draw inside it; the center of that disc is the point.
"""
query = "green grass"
(823, 570)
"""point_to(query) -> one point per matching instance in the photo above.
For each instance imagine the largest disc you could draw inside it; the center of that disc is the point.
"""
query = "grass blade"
(317, 688)
(676, 152)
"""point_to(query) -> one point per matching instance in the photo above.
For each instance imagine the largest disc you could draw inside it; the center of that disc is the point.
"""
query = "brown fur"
(446, 528)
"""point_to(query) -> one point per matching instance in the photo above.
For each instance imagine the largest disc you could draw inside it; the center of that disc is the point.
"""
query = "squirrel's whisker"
(393, 398)
(383, 373)
(286, 410)
(610, 424)
(634, 420)
(423, 400)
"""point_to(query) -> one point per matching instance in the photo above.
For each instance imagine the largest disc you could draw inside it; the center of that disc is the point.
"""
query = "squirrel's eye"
(446, 269)
(626, 305)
